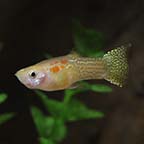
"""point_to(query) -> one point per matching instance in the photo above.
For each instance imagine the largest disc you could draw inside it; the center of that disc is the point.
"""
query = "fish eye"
(33, 74)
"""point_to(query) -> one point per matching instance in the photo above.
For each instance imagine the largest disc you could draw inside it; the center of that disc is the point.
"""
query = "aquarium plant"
(6, 116)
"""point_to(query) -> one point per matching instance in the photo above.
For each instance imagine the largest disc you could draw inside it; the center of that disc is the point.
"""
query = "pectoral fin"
(74, 86)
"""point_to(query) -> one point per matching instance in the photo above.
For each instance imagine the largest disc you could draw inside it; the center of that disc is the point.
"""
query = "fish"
(64, 72)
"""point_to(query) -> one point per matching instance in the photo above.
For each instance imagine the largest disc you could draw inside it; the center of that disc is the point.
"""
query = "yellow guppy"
(63, 72)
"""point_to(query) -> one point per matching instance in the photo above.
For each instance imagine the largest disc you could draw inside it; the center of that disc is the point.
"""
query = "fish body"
(63, 72)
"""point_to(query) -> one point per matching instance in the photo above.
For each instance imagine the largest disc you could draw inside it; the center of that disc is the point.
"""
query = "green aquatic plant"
(6, 116)
(52, 128)
(87, 41)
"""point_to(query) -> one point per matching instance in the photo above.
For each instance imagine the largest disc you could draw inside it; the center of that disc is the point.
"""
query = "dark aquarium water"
(95, 112)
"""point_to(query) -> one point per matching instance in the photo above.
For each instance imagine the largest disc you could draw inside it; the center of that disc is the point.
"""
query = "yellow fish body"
(62, 72)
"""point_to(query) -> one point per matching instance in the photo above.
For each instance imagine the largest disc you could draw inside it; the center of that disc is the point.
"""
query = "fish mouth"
(20, 77)
(26, 82)
(16, 74)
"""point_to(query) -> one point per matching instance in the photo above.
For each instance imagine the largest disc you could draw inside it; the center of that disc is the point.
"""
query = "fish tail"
(117, 65)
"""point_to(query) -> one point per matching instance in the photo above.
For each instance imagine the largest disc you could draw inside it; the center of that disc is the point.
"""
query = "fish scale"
(90, 68)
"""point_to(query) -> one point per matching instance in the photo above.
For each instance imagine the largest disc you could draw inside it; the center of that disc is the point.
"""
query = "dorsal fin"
(74, 54)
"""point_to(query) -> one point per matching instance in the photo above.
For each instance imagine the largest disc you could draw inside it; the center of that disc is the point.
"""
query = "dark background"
(29, 28)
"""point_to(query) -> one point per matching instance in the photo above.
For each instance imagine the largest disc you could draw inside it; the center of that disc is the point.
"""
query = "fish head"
(32, 77)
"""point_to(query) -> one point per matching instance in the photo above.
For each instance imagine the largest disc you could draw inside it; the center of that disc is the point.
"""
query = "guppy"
(64, 72)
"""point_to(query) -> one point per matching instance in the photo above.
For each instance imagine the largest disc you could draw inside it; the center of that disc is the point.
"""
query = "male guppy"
(63, 72)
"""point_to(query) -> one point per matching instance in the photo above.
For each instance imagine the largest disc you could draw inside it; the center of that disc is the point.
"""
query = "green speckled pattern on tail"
(117, 65)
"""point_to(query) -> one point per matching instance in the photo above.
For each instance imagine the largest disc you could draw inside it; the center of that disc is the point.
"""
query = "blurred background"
(29, 29)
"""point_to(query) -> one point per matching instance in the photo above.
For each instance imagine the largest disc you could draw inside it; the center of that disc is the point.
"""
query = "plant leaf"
(5, 117)
(52, 106)
(68, 93)
(88, 42)
(101, 88)
(39, 120)
(49, 128)
(55, 108)
(3, 97)
(85, 86)
(78, 111)
(46, 141)
(59, 130)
